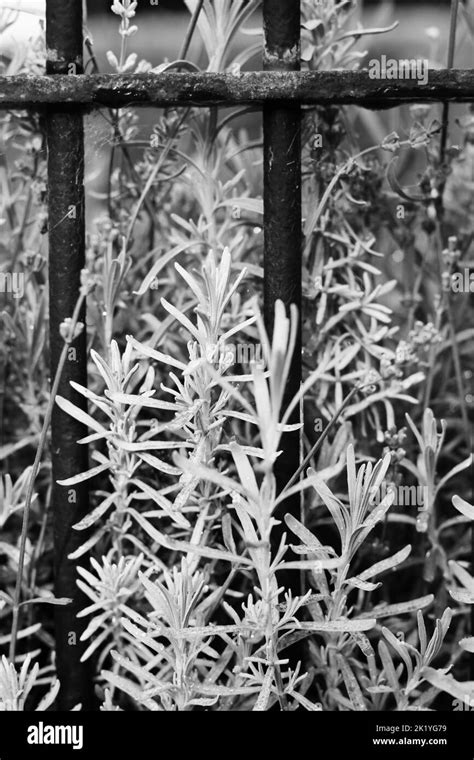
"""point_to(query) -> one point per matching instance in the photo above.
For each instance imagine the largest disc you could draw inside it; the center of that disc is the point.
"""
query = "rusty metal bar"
(282, 202)
(65, 140)
(248, 88)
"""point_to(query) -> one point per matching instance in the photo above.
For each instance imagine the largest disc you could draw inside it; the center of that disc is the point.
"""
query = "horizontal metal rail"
(249, 88)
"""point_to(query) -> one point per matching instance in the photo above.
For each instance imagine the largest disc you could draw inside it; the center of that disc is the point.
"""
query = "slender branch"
(451, 50)
(190, 31)
(153, 175)
(458, 373)
(322, 437)
(34, 473)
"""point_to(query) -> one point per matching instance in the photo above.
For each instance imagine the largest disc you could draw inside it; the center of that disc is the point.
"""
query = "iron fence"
(63, 96)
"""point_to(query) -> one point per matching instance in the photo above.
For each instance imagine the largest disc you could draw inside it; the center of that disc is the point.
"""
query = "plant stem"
(190, 31)
(153, 175)
(321, 438)
(451, 51)
(458, 373)
(343, 169)
(431, 364)
(34, 475)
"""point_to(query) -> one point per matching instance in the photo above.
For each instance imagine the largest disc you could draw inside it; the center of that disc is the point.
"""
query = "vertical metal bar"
(282, 202)
(65, 137)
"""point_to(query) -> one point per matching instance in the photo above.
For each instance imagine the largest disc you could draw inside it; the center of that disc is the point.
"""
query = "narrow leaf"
(386, 564)
(387, 610)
